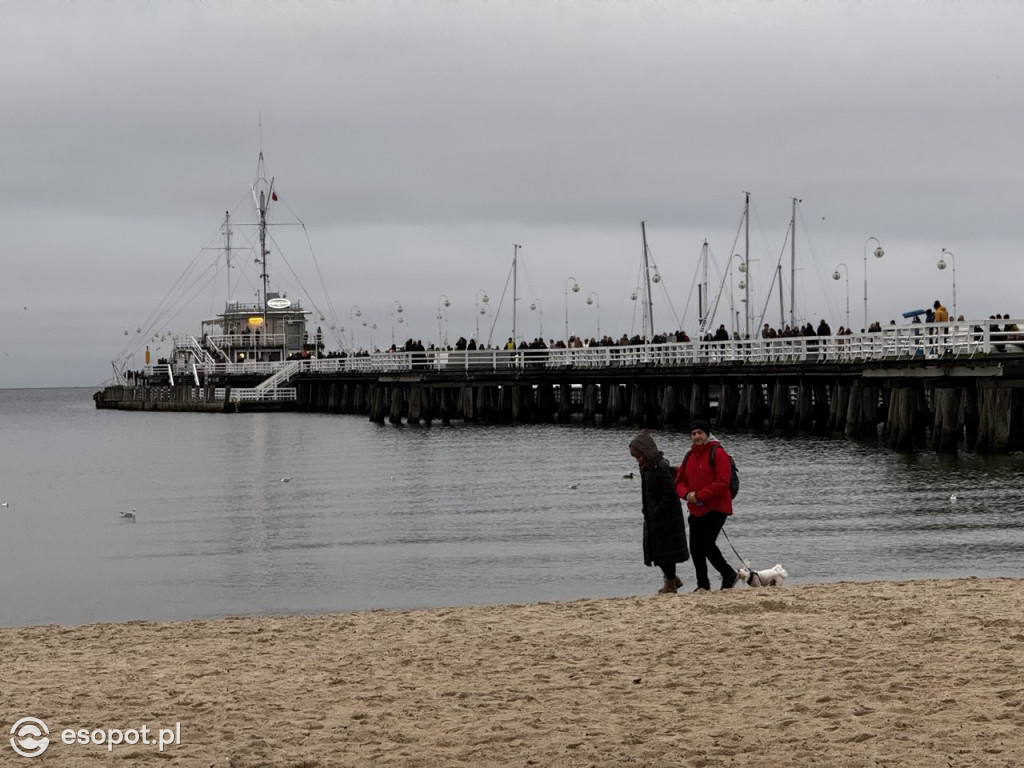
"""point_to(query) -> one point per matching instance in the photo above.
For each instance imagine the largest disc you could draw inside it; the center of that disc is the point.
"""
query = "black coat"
(664, 532)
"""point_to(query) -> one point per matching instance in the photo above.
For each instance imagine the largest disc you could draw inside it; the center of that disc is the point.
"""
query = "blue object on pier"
(914, 312)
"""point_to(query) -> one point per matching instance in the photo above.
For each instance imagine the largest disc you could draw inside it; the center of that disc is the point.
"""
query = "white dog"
(769, 577)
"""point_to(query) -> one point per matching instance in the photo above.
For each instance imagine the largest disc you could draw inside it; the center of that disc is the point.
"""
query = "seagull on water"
(952, 497)
(129, 515)
(286, 479)
(5, 505)
(574, 486)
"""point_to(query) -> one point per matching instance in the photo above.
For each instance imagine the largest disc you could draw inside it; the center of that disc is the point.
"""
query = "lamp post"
(443, 302)
(352, 315)
(539, 309)
(396, 311)
(733, 312)
(575, 289)
(744, 285)
(942, 265)
(480, 310)
(593, 298)
(879, 253)
(835, 276)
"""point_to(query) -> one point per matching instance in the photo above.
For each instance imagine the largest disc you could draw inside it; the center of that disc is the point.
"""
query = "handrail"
(955, 339)
(290, 369)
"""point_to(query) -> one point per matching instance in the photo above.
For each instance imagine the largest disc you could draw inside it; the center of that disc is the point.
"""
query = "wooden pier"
(967, 394)
(939, 406)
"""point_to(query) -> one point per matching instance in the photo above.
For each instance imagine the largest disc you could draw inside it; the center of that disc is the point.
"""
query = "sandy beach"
(927, 673)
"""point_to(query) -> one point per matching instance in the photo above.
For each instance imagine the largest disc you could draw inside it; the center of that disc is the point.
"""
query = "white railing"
(255, 395)
(904, 342)
(288, 370)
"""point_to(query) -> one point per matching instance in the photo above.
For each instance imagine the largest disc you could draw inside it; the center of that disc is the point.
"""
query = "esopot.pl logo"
(30, 737)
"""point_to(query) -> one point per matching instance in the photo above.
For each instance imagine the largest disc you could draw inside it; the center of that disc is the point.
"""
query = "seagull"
(952, 497)
(5, 505)
(129, 515)
(574, 486)
(628, 476)
(286, 479)
(391, 478)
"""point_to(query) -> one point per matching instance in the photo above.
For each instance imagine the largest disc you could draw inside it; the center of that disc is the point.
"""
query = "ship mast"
(648, 319)
(515, 297)
(227, 248)
(263, 199)
(792, 267)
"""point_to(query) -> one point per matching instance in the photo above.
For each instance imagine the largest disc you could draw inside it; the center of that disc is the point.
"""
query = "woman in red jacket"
(705, 488)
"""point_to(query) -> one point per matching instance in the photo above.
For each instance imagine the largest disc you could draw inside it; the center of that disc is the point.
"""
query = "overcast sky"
(419, 141)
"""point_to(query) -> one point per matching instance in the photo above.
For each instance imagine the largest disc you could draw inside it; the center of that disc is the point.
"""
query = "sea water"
(239, 514)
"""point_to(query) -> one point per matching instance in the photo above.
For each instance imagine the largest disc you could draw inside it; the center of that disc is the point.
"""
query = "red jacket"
(711, 484)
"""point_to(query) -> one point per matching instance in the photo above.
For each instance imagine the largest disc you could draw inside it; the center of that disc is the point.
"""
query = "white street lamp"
(835, 276)
(396, 311)
(942, 265)
(480, 310)
(593, 298)
(575, 289)
(879, 253)
(352, 315)
(442, 305)
(539, 309)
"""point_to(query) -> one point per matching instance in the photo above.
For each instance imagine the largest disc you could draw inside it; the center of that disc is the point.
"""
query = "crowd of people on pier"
(1008, 332)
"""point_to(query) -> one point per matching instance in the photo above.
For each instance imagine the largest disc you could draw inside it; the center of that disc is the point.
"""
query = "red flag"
(273, 196)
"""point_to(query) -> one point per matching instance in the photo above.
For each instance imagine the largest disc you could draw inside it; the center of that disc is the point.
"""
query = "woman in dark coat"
(664, 532)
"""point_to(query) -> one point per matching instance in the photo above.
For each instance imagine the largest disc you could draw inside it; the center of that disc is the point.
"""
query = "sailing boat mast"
(703, 301)
(515, 295)
(792, 266)
(746, 264)
(263, 199)
(227, 248)
(648, 319)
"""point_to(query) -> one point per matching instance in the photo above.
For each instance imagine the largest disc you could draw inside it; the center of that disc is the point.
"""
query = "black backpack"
(734, 475)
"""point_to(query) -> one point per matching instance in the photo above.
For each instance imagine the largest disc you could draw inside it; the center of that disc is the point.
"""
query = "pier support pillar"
(946, 423)
(993, 419)
(395, 410)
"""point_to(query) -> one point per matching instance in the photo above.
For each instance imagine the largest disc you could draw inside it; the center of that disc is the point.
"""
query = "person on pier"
(705, 485)
(664, 537)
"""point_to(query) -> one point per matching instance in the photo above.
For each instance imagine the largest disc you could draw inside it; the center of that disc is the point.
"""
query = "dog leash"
(742, 559)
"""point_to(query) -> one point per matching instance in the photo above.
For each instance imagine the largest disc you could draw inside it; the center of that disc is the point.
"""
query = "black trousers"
(704, 532)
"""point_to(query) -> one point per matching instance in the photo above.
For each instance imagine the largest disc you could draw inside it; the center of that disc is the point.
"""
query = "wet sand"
(926, 673)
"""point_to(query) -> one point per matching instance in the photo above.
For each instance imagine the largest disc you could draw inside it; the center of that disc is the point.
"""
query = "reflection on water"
(393, 517)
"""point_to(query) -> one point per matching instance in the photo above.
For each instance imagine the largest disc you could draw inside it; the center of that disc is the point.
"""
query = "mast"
(227, 248)
(703, 302)
(746, 262)
(648, 319)
(792, 266)
(263, 200)
(515, 296)
(782, 304)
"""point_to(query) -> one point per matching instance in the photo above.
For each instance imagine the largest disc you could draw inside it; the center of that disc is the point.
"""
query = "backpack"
(734, 475)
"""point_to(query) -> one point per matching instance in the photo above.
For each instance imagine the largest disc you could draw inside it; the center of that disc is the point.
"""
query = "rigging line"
(824, 279)
(167, 313)
(664, 290)
(776, 275)
(732, 250)
(501, 300)
(160, 309)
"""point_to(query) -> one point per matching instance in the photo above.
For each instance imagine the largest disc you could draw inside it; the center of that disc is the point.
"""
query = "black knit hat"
(702, 425)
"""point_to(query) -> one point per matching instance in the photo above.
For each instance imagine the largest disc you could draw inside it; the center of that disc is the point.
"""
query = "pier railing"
(905, 342)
